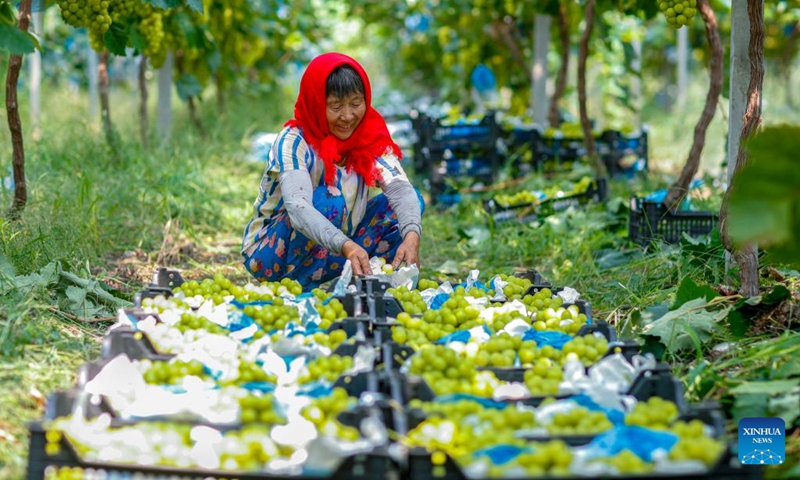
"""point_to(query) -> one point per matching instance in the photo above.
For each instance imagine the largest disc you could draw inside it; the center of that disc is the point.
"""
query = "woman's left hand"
(408, 251)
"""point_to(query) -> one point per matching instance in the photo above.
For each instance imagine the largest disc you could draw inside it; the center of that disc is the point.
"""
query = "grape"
(411, 300)
(191, 321)
(656, 413)
(588, 349)
(446, 371)
(578, 421)
(326, 368)
(678, 12)
(694, 444)
(544, 377)
(627, 462)
(272, 317)
(261, 409)
(323, 409)
(251, 372)
(168, 373)
(550, 458)
(330, 312)
(499, 351)
(90, 14)
(424, 284)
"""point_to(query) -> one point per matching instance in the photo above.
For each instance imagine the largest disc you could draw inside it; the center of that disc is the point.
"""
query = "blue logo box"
(762, 441)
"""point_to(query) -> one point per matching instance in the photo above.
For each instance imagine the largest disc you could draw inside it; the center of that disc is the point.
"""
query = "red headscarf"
(370, 139)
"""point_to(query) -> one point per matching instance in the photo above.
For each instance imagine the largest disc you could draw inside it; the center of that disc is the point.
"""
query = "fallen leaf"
(37, 397)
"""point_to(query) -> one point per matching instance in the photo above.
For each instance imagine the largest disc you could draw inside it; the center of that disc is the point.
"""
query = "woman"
(313, 210)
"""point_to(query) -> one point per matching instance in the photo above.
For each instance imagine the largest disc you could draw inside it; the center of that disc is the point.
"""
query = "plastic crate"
(421, 467)
(597, 192)
(133, 343)
(46, 456)
(652, 221)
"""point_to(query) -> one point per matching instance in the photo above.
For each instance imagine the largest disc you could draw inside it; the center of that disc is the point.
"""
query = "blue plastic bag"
(501, 454)
(457, 397)
(641, 441)
(547, 337)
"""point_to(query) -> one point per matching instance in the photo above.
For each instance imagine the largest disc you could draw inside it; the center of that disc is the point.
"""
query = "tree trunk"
(14, 123)
(193, 116)
(501, 31)
(164, 122)
(541, 42)
(198, 124)
(220, 94)
(583, 55)
(94, 94)
(105, 104)
(35, 63)
(683, 70)
(144, 123)
(677, 192)
(747, 256)
(561, 80)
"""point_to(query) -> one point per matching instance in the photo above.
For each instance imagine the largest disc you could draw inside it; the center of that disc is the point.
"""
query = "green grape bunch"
(678, 12)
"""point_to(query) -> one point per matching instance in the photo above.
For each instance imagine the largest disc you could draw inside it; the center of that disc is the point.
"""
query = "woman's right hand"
(359, 259)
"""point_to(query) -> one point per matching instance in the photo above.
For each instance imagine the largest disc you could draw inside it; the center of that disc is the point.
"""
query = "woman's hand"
(408, 251)
(359, 259)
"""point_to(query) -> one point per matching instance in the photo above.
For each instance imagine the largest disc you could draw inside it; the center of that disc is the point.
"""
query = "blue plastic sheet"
(617, 417)
(501, 454)
(547, 337)
(315, 390)
(439, 300)
(457, 397)
(263, 387)
(462, 336)
(641, 441)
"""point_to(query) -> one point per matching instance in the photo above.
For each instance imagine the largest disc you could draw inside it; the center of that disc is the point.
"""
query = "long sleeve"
(297, 194)
(403, 200)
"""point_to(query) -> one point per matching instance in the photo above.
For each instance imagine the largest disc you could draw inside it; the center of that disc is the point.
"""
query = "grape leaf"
(749, 405)
(165, 4)
(773, 387)
(7, 14)
(15, 41)
(688, 290)
(785, 407)
(188, 86)
(116, 38)
(676, 328)
(765, 195)
(196, 5)
(138, 40)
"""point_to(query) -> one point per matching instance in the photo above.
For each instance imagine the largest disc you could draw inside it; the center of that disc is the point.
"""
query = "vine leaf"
(15, 41)
(116, 39)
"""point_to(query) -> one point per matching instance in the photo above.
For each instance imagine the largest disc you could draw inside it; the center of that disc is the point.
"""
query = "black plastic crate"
(652, 221)
(44, 455)
(422, 467)
(133, 343)
(597, 192)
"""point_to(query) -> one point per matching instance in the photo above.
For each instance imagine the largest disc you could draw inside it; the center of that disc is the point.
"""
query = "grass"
(115, 217)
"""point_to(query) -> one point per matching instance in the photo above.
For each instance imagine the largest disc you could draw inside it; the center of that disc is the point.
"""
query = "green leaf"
(188, 86)
(677, 328)
(785, 406)
(750, 405)
(688, 290)
(739, 324)
(764, 202)
(7, 16)
(772, 387)
(166, 4)
(790, 368)
(137, 40)
(196, 5)
(777, 295)
(6, 267)
(116, 39)
(76, 296)
(15, 41)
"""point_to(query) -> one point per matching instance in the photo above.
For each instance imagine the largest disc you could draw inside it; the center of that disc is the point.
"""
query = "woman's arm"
(297, 192)
(404, 202)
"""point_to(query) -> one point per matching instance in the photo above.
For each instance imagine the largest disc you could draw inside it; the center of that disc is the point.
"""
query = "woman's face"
(344, 114)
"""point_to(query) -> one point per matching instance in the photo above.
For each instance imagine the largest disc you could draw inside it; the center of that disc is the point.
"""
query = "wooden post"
(541, 42)
(94, 92)
(35, 72)
(747, 16)
(144, 124)
(164, 123)
(105, 104)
